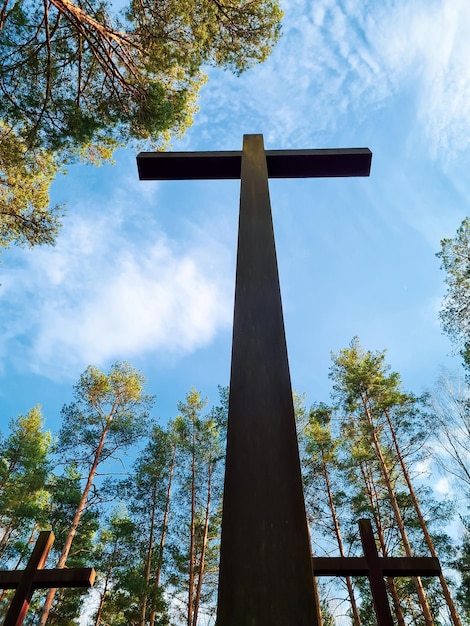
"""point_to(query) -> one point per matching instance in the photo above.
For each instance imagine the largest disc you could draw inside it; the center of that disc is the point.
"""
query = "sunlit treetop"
(26, 218)
(75, 75)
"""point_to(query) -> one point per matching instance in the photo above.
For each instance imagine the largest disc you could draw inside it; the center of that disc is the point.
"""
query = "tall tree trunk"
(148, 560)
(192, 537)
(349, 585)
(396, 509)
(3, 13)
(429, 542)
(7, 533)
(106, 584)
(103, 596)
(204, 545)
(163, 534)
(374, 502)
(76, 520)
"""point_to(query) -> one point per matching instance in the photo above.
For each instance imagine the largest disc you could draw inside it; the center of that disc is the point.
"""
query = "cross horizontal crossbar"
(391, 566)
(321, 163)
(50, 578)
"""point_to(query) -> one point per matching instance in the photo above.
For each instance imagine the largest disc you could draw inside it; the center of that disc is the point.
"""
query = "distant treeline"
(152, 530)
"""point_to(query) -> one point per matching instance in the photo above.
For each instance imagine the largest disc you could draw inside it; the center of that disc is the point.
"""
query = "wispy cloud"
(338, 59)
(426, 45)
(100, 295)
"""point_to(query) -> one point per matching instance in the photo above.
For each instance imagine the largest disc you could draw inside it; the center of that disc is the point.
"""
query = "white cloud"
(443, 486)
(101, 295)
(101, 292)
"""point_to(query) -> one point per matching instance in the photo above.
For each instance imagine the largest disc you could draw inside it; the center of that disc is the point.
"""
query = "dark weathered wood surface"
(265, 565)
(328, 163)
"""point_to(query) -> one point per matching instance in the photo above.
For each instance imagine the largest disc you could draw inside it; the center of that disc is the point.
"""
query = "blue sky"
(144, 271)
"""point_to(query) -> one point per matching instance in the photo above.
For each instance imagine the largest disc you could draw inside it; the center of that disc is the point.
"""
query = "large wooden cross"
(266, 576)
(375, 568)
(35, 577)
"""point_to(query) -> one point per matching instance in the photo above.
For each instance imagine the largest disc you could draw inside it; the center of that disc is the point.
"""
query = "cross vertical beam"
(266, 575)
(376, 574)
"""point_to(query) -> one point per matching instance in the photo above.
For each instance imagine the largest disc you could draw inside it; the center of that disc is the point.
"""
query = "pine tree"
(65, 494)
(152, 497)
(116, 564)
(24, 495)
(384, 418)
(80, 79)
(75, 74)
(108, 415)
(463, 565)
(24, 469)
(321, 460)
(455, 312)
(147, 494)
(364, 489)
(195, 544)
(26, 217)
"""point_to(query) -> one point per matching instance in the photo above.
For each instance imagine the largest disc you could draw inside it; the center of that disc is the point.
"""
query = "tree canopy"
(79, 79)
(455, 312)
(74, 75)
(26, 218)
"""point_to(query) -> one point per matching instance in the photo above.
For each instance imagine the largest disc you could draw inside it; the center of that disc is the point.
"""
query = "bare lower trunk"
(73, 528)
(148, 561)
(429, 542)
(163, 534)
(374, 502)
(398, 518)
(6, 536)
(192, 540)
(317, 601)
(349, 585)
(3, 14)
(105, 587)
(205, 537)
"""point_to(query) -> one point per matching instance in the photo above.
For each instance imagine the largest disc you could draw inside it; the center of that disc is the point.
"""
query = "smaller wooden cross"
(375, 568)
(35, 577)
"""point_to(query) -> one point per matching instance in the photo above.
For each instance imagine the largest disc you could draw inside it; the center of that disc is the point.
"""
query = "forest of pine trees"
(151, 527)
(152, 533)
(140, 499)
